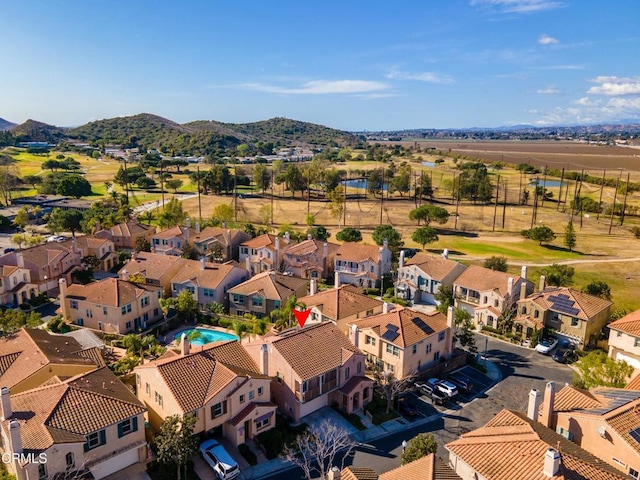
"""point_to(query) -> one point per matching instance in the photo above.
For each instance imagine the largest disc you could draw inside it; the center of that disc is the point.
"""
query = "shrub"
(224, 323)
(248, 455)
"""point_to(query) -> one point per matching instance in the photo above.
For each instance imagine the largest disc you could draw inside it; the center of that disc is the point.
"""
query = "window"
(565, 433)
(242, 398)
(359, 367)
(80, 322)
(262, 423)
(239, 299)
(128, 325)
(441, 336)
(127, 426)
(89, 313)
(159, 399)
(69, 460)
(74, 304)
(155, 312)
(634, 473)
(279, 377)
(276, 304)
(428, 348)
(536, 313)
(208, 292)
(260, 391)
(95, 439)
(574, 322)
(219, 409)
(159, 293)
(636, 342)
(144, 301)
(619, 334)
(347, 373)
(485, 299)
(256, 301)
(42, 472)
(369, 340)
(495, 303)
(104, 311)
(436, 356)
(251, 395)
(524, 310)
(137, 379)
(148, 388)
(393, 350)
(391, 368)
(124, 310)
(415, 349)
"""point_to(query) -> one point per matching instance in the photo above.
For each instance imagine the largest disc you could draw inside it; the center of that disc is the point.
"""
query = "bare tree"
(315, 451)
(389, 386)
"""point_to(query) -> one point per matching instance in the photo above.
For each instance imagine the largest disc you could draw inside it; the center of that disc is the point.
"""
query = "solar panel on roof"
(392, 327)
(635, 434)
(418, 322)
(390, 335)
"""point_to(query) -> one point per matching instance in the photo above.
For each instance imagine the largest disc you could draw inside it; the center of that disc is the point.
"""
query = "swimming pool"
(206, 336)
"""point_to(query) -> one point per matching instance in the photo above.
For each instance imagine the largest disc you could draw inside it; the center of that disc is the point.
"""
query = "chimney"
(98, 226)
(309, 236)
(445, 253)
(510, 286)
(334, 474)
(197, 227)
(228, 249)
(287, 237)
(523, 272)
(5, 404)
(547, 404)
(203, 263)
(535, 399)
(385, 307)
(313, 287)
(14, 435)
(264, 359)
(74, 245)
(543, 281)
(20, 259)
(336, 281)
(523, 290)
(186, 230)
(450, 319)
(401, 261)
(125, 275)
(551, 462)
(184, 345)
(247, 265)
(188, 222)
(63, 294)
(325, 251)
(353, 335)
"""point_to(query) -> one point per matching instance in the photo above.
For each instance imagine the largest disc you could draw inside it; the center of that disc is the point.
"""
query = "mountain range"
(6, 124)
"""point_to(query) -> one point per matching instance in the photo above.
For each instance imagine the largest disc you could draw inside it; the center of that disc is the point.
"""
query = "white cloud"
(320, 87)
(545, 39)
(430, 77)
(615, 86)
(518, 6)
(550, 90)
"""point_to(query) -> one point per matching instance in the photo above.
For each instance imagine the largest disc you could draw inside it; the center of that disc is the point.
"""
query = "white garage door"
(114, 464)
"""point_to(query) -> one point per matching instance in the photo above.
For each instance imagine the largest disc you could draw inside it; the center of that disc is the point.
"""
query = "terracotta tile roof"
(425, 468)
(358, 473)
(264, 240)
(89, 242)
(634, 383)
(196, 378)
(151, 265)
(29, 350)
(624, 421)
(313, 350)
(68, 411)
(110, 291)
(130, 229)
(412, 326)
(6, 270)
(572, 398)
(512, 447)
(353, 382)
(355, 252)
(588, 306)
(234, 235)
(211, 277)
(308, 247)
(235, 421)
(341, 302)
(177, 231)
(41, 255)
(433, 266)
(484, 279)
(273, 285)
(628, 324)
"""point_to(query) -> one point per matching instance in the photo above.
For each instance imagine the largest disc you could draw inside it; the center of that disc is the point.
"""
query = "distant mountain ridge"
(34, 131)
(6, 124)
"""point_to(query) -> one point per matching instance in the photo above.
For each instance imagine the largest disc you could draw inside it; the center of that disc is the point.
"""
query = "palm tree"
(148, 217)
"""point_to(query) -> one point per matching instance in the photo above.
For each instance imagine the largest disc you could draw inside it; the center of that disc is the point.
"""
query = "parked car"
(217, 457)
(447, 387)
(56, 238)
(461, 381)
(436, 395)
(564, 352)
(406, 407)
(8, 250)
(546, 345)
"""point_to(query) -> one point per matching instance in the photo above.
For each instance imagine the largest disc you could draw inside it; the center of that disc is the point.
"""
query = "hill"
(206, 137)
(6, 124)
(34, 131)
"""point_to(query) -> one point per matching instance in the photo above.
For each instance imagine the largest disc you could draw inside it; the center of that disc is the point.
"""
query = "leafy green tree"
(558, 275)
(19, 239)
(131, 174)
(52, 165)
(570, 239)
(496, 263)
(176, 443)
(319, 233)
(294, 179)
(374, 181)
(172, 214)
(464, 329)
(68, 184)
(420, 446)
(222, 213)
(174, 184)
(401, 182)
(428, 214)
(22, 217)
(425, 188)
(474, 183)
(444, 298)
(598, 288)
(338, 203)
(539, 234)
(65, 221)
(13, 320)
(261, 177)
(387, 232)
(349, 234)
(33, 180)
(57, 325)
(92, 262)
(142, 244)
(186, 306)
(424, 235)
(146, 183)
(597, 369)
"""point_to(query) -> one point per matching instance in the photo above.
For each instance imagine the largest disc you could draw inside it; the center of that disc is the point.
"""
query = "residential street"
(522, 369)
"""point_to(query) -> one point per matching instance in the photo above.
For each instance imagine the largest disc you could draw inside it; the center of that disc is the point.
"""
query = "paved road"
(145, 207)
(522, 369)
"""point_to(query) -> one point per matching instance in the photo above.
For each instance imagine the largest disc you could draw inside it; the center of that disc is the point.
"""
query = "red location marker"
(301, 316)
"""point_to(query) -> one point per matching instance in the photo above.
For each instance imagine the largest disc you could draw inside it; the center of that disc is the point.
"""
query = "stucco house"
(362, 265)
(125, 235)
(310, 258)
(229, 240)
(263, 252)
(624, 339)
(155, 268)
(16, 286)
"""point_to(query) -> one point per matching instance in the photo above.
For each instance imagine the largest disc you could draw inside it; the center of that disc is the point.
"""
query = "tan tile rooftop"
(273, 285)
(87, 242)
(358, 473)
(308, 247)
(151, 265)
(211, 277)
(196, 378)
(41, 255)
(587, 305)
(628, 324)
(412, 326)
(110, 291)
(341, 302)
(129, 229)
(264, 240)
(6, 270)
(178, 231)
(313, 350)
(355, 252)
(512, 447)
(634, 383)
(434, 266)
(484, 279)
(571, 398)
(234, 235)
(425, 468)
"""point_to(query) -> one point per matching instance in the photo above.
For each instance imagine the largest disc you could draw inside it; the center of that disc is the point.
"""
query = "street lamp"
(404, 445)
(46, 286)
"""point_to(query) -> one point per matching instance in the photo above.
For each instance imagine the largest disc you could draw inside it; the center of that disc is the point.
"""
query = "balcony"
(344, 268)
(467, 298)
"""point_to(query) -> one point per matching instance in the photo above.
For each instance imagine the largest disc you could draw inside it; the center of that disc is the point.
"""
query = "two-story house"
(208, 282)
(340, 305)
(624, 339)
(602, 420)
(172, 240)
(155, 268)
(486, 293)
(101, 248)
(265, 292)
(111, 305)
(310, 259)
(214, 241)
(404, 341)
(429, 467)
(574, 315)
(263, 252)
(362, 265)
(125, 235)
(420, 277)
(313, 368)
(219, 383)
(16, 286)
(86, 426)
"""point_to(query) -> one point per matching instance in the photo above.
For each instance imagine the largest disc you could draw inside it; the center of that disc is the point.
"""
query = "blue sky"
(353, 65)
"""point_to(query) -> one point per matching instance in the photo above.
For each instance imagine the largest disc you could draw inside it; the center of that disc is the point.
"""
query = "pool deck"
(169, 339)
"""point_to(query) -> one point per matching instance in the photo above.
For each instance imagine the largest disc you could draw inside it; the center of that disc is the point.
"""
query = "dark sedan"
(406, 407)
